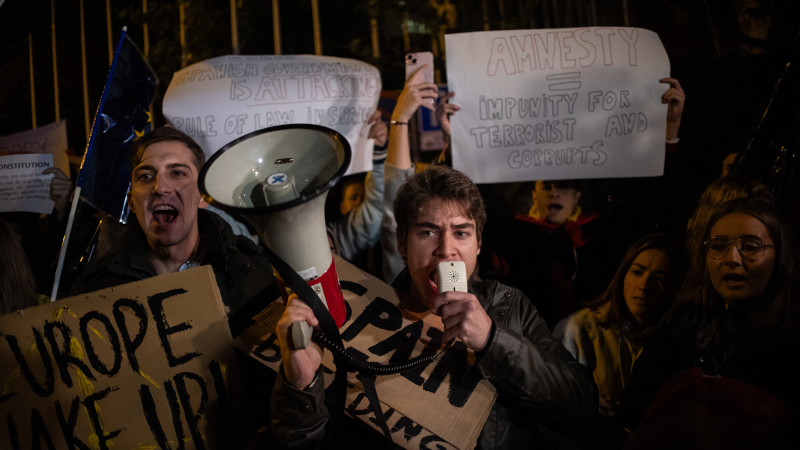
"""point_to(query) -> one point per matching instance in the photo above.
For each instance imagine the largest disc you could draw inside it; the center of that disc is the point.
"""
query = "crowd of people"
(680, 339)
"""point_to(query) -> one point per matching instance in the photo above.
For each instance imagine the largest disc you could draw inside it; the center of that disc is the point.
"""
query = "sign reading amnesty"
(147, 365)
(558, 104)
(442, 405)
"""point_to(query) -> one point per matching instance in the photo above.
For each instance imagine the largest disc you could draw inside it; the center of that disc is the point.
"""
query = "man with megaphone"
(440, 216)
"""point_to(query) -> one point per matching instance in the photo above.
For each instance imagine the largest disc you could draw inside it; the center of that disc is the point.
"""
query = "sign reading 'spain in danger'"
(558, 104)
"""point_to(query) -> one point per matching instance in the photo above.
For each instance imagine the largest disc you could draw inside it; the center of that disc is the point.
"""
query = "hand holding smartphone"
(416, 60)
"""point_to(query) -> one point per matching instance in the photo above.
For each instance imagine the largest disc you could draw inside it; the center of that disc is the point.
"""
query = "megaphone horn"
(278, 178)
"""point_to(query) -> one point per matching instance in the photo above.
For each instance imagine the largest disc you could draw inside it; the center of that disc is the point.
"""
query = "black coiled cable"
(374, 368)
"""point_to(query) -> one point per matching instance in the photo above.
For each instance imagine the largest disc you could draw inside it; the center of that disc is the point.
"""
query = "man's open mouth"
(165, 214)
(555, 207)
(433, 280)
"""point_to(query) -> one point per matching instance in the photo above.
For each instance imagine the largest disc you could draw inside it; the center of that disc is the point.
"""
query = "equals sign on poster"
(561, 85)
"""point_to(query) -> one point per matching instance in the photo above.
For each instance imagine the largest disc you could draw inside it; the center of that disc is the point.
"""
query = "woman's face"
(736, 279)
(648, 286)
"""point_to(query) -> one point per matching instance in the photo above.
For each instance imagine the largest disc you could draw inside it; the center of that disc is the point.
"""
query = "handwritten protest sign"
(146, 365)
(221, 99)
(558, 104)
(50, 139)
(22, 185)
(442, 405)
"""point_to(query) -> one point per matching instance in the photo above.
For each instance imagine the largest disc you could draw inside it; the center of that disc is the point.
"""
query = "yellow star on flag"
(149, 116)
(138, 133)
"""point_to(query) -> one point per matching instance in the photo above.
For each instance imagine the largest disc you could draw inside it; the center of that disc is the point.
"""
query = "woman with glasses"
(735, 318)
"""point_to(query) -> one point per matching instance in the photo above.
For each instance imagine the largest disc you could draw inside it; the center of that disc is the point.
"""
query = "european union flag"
(123, 114)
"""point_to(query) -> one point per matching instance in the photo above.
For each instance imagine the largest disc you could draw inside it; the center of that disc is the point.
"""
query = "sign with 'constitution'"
(441, 405)
(147, 365)
(221, 99)
(558, 104)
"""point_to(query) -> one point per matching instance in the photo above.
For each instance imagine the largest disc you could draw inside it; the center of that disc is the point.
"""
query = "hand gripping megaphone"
(278, 179)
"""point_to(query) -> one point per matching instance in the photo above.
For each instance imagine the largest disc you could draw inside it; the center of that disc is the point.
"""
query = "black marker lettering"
(463, 378)
(62, 355)
(90, 404)
(113, 339)
(372, 315)
(68, 424)
(42, 390)
(150, 413)
(410, 429)
(39, 431)
(192, 418)
(156, 303)
(131, 344)
(222, 392)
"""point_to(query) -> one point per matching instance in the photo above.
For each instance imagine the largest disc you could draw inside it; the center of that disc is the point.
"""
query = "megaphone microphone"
(278, 178)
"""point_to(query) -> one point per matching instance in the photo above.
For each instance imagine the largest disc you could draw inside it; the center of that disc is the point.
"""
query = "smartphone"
(452, 276)
(417, 60)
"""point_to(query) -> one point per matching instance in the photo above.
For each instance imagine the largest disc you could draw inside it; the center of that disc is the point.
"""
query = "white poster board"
(221, 99)
(558, 103)
(23, 187)
(50, 139)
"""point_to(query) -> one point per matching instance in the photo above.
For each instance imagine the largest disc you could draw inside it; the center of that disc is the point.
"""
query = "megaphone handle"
(301, 334)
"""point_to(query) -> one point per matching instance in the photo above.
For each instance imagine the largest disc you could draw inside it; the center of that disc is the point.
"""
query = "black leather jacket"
(542, 390)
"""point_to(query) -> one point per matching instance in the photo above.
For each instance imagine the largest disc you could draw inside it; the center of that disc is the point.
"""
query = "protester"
(608, 336)
(357, 230)
(735, 318)
(716, 194)
(416, 93)
(171, 233)
(440, 216)
(17, 288)
(557, 254)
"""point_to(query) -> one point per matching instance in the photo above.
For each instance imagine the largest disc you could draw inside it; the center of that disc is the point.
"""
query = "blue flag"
(123, 114)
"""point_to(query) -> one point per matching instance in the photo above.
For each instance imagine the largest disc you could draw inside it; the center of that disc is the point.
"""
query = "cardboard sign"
(23, 187)
(558, 104)
(147, 365)
(444, 404)
(221, 99)
(50, 139)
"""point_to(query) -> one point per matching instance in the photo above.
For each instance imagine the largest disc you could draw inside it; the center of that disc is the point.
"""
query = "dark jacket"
(560, 267)
(242, 271)
(540, 386)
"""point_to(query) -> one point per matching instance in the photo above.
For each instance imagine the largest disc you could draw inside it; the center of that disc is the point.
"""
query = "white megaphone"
(278, 179)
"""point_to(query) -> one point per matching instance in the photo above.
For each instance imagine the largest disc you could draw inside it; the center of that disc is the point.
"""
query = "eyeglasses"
(750, 249)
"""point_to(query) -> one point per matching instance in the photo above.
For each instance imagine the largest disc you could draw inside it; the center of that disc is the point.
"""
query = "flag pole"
(75, 196)
(55, 61)
(33, 88)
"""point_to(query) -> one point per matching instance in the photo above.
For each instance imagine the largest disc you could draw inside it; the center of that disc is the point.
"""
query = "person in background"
(357, 229)
(716, 194)
(735, 319)
(608, 336)
(17, 288)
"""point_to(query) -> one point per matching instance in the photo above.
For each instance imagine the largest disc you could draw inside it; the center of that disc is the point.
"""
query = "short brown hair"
(165, 134)
(443, 183)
